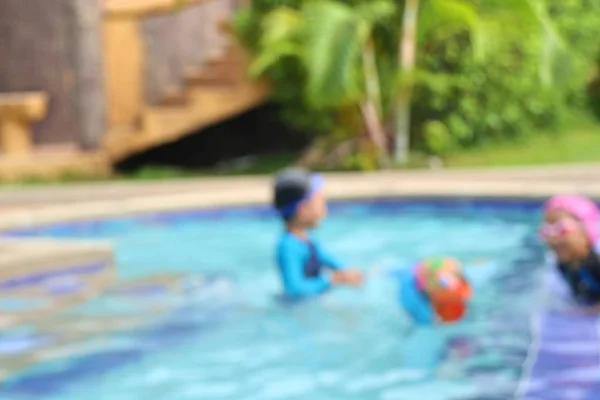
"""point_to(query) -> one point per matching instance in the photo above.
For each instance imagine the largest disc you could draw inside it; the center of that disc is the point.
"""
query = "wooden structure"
(86, 83)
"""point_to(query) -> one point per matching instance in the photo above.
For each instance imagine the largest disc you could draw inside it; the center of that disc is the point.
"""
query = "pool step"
(68, 334)
(40, 277)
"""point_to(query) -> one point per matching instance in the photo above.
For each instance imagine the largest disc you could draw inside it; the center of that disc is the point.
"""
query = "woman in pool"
(570, 230)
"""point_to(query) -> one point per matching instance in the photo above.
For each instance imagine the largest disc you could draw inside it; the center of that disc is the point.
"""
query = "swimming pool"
(348, 345)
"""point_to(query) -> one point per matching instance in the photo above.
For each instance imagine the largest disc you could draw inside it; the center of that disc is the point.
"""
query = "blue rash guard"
(584, 281)
(301, 264)
(414, 301)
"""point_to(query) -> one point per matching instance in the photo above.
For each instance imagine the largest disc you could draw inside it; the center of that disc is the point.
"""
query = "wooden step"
(211, 76)
(52, 166)
(207, 105)
(175, 97)
(231, 55)
(142, 8)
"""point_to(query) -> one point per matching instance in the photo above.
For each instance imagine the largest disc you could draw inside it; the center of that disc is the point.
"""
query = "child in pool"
(570, 230)
(306, 268)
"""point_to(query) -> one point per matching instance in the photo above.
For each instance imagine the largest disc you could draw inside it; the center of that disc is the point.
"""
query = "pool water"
(350, 344)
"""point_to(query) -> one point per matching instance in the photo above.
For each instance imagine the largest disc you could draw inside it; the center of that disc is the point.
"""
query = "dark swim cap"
(293, 186)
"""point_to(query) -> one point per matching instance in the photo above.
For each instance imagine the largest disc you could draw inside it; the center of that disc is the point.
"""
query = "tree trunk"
(371, 108)
(375, 130)
(371, 76)
(407, 65)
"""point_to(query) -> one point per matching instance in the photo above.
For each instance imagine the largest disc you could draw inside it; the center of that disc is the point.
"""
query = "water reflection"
(115, 329)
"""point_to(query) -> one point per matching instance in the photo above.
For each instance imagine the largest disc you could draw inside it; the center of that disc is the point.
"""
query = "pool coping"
(43, 206)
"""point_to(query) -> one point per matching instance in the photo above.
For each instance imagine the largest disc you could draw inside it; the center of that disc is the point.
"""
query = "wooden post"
(15, 136)
(89, 101)
(17, 112)
(124, 66)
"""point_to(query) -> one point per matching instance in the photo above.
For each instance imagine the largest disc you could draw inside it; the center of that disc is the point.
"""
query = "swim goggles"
(560, 228)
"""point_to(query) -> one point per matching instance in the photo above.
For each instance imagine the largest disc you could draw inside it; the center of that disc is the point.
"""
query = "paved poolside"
(29, 206)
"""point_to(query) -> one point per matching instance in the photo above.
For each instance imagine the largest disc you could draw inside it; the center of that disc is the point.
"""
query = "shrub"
(459, 100)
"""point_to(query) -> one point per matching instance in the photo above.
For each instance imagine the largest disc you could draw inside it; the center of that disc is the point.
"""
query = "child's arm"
(329, 259)
(296, 284)
(345, 275)
(413, 301)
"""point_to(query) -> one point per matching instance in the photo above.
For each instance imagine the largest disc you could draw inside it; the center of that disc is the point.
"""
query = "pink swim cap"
(580, 207)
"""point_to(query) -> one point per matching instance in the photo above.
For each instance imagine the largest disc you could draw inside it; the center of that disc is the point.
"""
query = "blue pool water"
(244, 345)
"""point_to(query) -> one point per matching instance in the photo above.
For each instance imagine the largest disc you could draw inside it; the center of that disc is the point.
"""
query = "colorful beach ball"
(442, 280)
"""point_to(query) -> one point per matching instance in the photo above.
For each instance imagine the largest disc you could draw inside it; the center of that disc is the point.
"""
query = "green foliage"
(334, 38)
(437, 137)
(579, 142)
(482, 102)
(487, 70)
(594, 95)
(287, 74)
(360, 162)
(438, 15)
(579, 22)
(281, 38)
(328, 38)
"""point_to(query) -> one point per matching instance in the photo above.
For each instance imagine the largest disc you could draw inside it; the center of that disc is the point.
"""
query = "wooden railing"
(125, 76)
(145, 7)
(150, 44)
(170, 69)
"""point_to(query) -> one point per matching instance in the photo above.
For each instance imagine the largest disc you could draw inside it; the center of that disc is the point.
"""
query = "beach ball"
(443, 282)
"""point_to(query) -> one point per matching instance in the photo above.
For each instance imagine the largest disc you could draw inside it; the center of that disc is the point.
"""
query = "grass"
(266, 164)
(577, 145)
(262, 165)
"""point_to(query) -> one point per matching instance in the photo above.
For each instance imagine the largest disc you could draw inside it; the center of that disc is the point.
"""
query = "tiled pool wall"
(262, 211)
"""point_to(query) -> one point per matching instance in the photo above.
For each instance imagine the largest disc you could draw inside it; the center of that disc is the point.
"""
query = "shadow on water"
(500, 346)
(58, 376)
(42, 384)
(179, 325)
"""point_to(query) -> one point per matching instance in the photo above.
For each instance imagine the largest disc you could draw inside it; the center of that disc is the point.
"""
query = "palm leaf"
(460, 14)
(531, 17)
(436, 14)
(375, 11)
(281, 37)
(552, 42)
(281, 24)
(268, 58)
(486, 21)
(334, 38)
